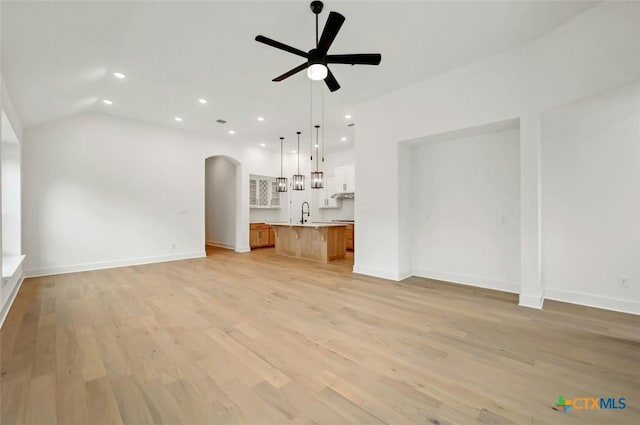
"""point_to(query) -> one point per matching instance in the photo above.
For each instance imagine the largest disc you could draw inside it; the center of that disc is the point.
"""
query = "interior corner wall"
(101, 191)
(591, 200)
(2, 296)
(10, 110)
(466, 201)
(220, 202)
(10, 168)
(11, 199)
(568, 63)
(408, 216)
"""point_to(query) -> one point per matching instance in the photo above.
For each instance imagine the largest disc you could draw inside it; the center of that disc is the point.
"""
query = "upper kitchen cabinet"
(325, 200)
(345, 179)
(263, 193)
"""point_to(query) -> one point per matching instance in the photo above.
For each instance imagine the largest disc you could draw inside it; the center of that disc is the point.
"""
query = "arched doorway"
(222, 199)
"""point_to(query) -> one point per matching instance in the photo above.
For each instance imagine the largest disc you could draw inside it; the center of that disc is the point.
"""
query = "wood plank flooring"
(259, 339)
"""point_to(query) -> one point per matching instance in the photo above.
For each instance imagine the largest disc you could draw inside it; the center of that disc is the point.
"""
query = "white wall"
(591, 200)
(568, 63)
(220, 202)
(102, 191)
(272, 215)
(465, 208)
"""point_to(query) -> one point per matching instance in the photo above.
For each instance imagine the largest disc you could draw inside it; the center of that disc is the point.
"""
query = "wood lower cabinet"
(261, 235)
(349, 239)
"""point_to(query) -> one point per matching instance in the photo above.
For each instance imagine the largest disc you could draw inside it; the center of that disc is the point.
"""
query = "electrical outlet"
(623, 281)
(173, 245)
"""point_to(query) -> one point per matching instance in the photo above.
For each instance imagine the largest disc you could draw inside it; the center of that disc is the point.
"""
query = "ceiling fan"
(317, 58)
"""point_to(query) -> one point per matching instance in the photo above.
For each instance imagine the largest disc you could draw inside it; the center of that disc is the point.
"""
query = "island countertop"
(312, 225)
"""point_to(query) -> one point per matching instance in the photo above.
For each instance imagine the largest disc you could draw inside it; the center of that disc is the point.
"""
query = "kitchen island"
(320, 242)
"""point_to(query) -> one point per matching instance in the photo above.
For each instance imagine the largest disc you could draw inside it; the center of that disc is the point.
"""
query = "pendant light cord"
(298, 133)
(317, 143)
(322, 127)
(281, 157)
(311, 117)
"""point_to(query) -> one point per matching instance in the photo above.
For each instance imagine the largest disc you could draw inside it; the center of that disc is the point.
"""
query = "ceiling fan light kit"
(318, 58)
(317, 72)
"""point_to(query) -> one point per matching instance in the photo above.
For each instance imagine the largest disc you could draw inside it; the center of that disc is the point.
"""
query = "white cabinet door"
(253, 192)
(341, 179)
(324, 195)
(345, 178)
(275, 195)
(350, 178)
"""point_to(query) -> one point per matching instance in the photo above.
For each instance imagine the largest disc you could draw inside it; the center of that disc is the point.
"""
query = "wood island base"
(315, 242)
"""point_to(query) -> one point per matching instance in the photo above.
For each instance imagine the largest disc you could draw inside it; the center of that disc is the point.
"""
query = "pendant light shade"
(298, 179)
(281, 182)
(317, 177)
(298, 182)
(317, 180)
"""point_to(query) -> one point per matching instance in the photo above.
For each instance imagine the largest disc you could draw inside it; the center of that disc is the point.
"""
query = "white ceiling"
(58, 57)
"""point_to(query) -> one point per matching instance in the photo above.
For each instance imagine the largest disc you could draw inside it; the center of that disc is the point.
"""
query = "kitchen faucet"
(302, 220)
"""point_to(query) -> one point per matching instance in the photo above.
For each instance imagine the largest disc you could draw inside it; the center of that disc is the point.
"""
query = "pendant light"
(317, 177)
(281, 182)
(298, 179)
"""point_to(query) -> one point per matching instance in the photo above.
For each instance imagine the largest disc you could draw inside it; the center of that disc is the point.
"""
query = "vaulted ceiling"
(58, 58)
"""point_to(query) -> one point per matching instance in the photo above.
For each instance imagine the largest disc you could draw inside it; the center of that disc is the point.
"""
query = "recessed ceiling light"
(119, 75)
(348, 117)
(344, 139)
(293, 151)
(232, 132)
(260, 119)
(107, 102)
(263, 144)
(202, 101)
(316, 146)
(178, 119)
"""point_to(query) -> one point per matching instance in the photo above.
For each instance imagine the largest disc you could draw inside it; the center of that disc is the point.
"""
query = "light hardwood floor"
(259, 339)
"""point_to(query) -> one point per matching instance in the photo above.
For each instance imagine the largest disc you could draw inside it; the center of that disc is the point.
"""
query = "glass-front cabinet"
(262, 192)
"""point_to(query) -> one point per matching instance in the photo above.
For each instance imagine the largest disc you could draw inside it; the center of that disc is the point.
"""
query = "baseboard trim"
(531, 301)
(405, 274)
(381, 273)
(221, 245)
(4, 312)
(590, 300)
(48, 271)
(480, 282)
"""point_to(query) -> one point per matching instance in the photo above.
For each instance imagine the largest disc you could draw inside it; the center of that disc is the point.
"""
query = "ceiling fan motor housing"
(316, 57)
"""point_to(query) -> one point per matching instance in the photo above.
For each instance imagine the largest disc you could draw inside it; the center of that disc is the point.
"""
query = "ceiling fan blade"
(331, 81)
(291, 72)
(281, 46)
(331, 28)
(357, 59)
